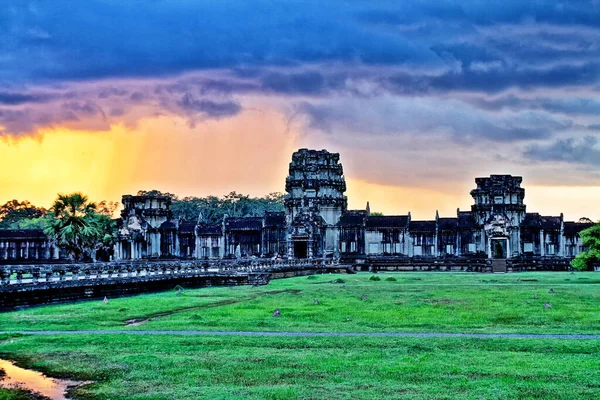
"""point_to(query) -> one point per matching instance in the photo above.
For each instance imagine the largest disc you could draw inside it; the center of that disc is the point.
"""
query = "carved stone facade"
(314, 203)
(317, 225)
(146, 229)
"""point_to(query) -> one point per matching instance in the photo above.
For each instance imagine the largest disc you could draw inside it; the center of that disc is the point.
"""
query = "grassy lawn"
(210, 367)
(434, 302)
(236, 367)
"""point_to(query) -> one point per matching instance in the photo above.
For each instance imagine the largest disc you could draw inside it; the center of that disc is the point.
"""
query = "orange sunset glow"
(248, 154)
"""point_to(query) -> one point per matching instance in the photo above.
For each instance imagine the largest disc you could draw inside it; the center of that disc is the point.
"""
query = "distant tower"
(314, 203)
(499, 211)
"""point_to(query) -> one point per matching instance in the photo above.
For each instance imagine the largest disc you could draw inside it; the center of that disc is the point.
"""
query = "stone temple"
(317, 225)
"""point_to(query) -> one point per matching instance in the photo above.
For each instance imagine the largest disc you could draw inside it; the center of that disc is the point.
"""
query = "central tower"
(314, 203)
(499, 211)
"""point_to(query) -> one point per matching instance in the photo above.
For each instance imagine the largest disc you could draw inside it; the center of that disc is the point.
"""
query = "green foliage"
(391, 279)
(77, 227)
(14, 213)
(591, 256)
(214, 208)
(376, 214)
(107, 208)
(374, 278)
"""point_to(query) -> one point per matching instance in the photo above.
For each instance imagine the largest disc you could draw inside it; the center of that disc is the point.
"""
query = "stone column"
(56, 254)
(132, 249)
(542, 243)
(290, 246)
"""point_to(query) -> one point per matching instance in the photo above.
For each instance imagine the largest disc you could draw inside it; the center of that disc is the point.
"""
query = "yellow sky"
(249, 154)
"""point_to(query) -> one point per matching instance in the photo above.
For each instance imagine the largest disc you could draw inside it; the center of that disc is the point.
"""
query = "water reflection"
(20, 378)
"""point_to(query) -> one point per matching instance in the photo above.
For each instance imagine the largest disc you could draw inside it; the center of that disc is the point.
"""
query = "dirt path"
(314, 334)
(153, 316)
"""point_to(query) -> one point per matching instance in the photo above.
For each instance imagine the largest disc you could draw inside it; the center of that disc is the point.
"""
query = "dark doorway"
(300, 249)
(499, 248)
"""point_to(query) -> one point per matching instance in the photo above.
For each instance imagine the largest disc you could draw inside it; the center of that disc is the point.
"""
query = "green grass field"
(230, 367)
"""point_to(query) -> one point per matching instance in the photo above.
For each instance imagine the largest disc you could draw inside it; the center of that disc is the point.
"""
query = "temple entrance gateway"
(301, 249)
(499, 247)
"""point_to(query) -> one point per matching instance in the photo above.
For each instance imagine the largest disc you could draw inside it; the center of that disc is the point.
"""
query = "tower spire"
(368, 209)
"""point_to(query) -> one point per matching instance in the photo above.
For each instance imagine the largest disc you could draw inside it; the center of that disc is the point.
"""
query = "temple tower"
(314, 203)
(146, 228)
(498, 212)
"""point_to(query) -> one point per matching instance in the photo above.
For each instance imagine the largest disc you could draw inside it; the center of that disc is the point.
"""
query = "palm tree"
(75, 225)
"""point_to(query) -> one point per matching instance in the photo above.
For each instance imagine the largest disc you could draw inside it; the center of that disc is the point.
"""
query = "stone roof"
(275, 219)
(422, 226)
(22, 234)
(573, 228)
(535, 220)
(388, 221)
(447, 224)
(187, 227)
(466, 220)
(244, 223)
(209, 230)
(353, 218)
(168, 226)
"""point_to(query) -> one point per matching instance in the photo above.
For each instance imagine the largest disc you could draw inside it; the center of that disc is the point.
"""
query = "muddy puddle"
(13, 377)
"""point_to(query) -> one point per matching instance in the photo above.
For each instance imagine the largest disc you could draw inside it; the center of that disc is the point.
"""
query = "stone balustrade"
(148, 270)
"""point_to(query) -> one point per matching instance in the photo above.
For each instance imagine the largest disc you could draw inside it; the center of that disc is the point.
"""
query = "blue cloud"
(570, 150)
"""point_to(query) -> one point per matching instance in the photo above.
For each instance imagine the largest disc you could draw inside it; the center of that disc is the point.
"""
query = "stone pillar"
(290, 248)
(132, 249)
(542, 243)
(56, 254)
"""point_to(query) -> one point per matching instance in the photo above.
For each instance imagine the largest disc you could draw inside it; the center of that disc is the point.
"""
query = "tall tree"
(76, 226)
(591, 256)
(107, 208)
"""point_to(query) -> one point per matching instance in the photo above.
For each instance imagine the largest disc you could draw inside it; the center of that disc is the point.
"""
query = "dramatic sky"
(207, 97)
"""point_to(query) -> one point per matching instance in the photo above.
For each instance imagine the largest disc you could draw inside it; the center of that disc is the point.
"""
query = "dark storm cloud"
(406, 117)
(569, 106)
(209, 108)
(14, 98)
(58, 41)
(199, 60)
(571, 150)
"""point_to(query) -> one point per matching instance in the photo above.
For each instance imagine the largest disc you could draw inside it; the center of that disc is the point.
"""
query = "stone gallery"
(317, 224)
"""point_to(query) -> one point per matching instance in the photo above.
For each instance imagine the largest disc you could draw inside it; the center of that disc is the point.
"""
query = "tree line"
(212, 209)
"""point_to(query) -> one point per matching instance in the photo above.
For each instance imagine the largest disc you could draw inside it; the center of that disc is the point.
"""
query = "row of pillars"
(15, 250)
